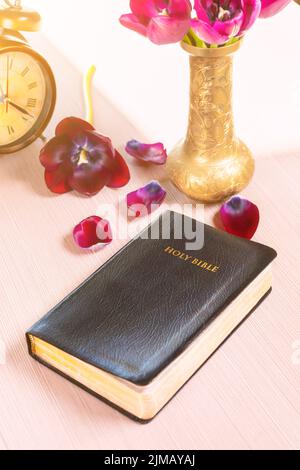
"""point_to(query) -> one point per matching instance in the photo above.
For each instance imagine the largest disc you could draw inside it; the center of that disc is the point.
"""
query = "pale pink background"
(248, 394)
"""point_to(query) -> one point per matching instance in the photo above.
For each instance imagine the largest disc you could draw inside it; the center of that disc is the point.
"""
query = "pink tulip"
(220, 20)
(271, 7)
(162, 21)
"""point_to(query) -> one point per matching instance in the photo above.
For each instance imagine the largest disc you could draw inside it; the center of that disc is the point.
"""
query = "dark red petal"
(56, 151)
(121, 173)
(57, 181)
(72, 126)
(90, 178)
(97, 145)
(92, 231)
(101, 138)
(240, 217)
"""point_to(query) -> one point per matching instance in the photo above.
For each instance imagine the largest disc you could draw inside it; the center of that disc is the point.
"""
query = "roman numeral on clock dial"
(25, 72)
(31, 102)
(32, 85)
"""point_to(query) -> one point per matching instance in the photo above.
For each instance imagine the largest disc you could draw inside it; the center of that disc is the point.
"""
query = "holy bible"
(139, 328)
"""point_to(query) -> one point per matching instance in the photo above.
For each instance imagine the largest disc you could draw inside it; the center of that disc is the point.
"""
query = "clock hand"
(2, 97)
(20, 108)
(7, 83)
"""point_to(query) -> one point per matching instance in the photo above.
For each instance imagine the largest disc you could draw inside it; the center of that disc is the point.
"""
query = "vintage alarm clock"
(27, 84)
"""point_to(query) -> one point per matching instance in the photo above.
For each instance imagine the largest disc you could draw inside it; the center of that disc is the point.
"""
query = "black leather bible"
(136, 331)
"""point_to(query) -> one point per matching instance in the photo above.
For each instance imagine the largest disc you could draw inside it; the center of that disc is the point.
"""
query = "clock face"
(26, 98)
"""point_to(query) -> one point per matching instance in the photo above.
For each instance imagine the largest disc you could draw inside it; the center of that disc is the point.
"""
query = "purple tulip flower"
(220, 20)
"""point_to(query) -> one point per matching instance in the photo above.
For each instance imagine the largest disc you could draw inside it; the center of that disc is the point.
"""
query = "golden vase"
(211, 164)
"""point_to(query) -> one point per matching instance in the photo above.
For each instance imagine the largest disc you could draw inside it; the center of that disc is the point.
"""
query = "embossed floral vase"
(212, 163)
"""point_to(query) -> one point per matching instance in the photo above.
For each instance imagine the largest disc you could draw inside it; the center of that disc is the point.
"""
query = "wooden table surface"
(246, 397)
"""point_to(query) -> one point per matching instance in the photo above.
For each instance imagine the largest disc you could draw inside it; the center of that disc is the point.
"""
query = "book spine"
(30, 344)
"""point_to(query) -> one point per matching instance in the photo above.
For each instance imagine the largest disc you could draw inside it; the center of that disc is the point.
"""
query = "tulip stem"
(88, 94)
(194, 39)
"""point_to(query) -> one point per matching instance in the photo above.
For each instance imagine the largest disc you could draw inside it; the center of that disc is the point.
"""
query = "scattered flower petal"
(80, 159)
(91, 232)
(154, 153)
(145, 200)
(240, 217)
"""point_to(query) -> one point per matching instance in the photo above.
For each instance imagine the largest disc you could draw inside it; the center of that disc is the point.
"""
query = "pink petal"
(121, 174)
(73, 126)
(56, 151)
(251, 9)
(180, 9)
(145, 200)
(208, 33)
(91, 232)
(201, 10)
(132, 22)
(240, 217)
(144, 9)
(167, 30)
(230, 28)
(161, 4)
(272, 7)
(154, 153)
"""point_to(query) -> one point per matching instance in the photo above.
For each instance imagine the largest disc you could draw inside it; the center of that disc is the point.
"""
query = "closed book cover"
(138, 329)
